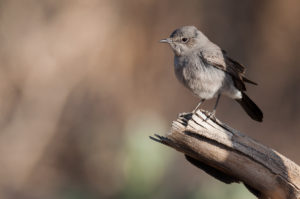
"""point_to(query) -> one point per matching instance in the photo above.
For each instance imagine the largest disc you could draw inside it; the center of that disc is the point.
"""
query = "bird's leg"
(215, 107)
(213, 113)
(197, 107)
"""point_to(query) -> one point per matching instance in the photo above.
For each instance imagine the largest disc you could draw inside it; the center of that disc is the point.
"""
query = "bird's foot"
(211, 116)
(194, 111)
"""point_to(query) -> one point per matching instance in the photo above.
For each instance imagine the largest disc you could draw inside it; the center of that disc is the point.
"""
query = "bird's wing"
(220, 60)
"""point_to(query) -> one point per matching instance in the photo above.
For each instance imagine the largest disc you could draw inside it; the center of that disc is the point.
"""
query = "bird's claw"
(211, 116)
(194, 111)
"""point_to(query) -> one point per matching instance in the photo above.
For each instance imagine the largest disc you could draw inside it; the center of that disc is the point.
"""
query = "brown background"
(84, 83)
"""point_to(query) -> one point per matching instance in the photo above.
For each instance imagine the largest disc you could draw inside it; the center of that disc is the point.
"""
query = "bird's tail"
(251, 108)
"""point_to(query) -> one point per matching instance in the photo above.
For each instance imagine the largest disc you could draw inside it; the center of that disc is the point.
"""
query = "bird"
(207, 70)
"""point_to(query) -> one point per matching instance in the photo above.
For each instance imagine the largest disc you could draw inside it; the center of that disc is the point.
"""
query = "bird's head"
(185, 39)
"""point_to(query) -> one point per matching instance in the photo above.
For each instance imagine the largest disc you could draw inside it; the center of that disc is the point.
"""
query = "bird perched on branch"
(205, 69)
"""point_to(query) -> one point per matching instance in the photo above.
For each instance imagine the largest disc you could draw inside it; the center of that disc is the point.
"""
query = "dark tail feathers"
(251, 108)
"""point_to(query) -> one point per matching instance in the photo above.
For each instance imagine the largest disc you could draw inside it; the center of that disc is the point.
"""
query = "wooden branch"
(230, 156)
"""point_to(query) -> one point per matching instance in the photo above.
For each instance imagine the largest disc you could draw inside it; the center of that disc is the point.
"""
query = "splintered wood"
(231, 156)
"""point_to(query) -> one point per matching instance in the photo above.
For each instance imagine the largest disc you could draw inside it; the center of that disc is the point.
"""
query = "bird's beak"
(167, 40)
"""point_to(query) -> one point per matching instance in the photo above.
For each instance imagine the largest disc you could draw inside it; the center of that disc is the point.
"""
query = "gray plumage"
(206, 70)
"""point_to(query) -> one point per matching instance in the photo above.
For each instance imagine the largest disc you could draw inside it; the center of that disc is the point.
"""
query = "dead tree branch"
(230, 156)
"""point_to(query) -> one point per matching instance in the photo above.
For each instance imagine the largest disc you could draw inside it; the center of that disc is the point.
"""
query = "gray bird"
(205, 69)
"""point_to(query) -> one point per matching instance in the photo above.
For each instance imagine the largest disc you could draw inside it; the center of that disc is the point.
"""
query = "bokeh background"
(84, 83)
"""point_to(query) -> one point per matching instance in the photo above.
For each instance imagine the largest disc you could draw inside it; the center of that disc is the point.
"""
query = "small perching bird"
(206, 70)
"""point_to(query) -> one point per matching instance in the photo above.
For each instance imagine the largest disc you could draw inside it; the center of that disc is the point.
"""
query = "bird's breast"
(203, 80)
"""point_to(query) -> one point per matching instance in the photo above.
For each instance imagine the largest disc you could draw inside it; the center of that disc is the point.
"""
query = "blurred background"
(84, 83)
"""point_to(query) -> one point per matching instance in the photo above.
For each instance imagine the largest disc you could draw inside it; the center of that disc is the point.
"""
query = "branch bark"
(230, 156)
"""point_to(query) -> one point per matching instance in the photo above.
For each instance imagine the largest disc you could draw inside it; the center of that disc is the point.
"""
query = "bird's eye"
(184, 39)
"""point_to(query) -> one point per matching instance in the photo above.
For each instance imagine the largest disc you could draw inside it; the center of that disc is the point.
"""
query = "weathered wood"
(231, 156)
